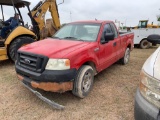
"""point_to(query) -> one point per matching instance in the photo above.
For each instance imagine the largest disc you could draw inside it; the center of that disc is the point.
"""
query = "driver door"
(107, 51)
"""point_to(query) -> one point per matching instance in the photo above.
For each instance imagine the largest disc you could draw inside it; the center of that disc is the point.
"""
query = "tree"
(158, 17)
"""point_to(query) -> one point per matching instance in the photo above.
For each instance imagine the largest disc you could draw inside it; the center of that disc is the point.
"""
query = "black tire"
(16, 44)
(126, 57)
(144, 44)
(154, 39)
(84, 81)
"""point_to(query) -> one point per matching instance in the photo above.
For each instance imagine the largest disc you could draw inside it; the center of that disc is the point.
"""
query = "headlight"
(150, 88)
(58, 64)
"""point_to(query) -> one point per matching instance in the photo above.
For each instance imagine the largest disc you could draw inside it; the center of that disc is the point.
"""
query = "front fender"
(83, 57)
(19, 31)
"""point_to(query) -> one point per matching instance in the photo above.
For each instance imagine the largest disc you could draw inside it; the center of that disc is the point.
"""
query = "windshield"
(84, 32)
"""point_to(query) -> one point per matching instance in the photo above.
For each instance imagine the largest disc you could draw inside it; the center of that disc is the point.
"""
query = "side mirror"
(108, 37)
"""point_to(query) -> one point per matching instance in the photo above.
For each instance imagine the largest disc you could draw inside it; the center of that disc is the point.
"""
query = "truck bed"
(121, 33)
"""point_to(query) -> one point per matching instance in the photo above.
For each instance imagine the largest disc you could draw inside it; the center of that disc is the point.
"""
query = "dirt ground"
(112, 97)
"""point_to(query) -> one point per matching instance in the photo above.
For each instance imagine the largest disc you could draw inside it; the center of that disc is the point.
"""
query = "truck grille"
(32, 62)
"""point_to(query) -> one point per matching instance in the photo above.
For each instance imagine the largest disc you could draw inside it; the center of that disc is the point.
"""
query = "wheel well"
(21, 36)
(142, 40)
(92, 65)
(26, 35)
(129, 46)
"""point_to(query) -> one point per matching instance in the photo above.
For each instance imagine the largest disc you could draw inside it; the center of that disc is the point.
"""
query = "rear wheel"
(144, 44)
(84, 81)
(16, 44)
(126, 57)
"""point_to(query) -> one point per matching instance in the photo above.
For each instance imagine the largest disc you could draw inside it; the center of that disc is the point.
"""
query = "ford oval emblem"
(27, 61)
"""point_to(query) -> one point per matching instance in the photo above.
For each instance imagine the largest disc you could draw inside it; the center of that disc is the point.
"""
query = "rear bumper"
(144, 110)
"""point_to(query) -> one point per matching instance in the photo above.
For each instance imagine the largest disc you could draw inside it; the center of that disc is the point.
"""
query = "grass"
(112, 97)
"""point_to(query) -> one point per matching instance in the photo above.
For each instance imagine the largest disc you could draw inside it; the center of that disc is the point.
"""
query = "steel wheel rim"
(127, 56)
(87, 81)
(145, 43)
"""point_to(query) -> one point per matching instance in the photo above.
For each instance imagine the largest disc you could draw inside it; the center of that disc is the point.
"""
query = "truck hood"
(152, 65)
(53, 48)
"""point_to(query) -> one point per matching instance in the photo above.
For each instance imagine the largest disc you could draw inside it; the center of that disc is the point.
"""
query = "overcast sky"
(125, 11)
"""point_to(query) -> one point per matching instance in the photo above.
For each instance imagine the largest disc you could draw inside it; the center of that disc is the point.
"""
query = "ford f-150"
(72, 57)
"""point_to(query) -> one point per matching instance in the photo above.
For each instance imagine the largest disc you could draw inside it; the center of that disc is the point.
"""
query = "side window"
(114, 30)
(107, 29)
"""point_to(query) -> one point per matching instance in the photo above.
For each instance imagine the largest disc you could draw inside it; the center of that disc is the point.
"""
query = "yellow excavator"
(21, 35)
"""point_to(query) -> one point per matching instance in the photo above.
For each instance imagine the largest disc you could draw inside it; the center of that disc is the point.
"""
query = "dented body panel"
(48, 86)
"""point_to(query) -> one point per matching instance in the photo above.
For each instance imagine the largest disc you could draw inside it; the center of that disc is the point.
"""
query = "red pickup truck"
(72, 57)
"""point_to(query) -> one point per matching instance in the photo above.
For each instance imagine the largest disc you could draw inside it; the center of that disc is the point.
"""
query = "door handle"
(96, 49)
(114, 44)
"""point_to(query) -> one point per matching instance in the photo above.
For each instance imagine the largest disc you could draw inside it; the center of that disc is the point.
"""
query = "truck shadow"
(6, 63)
(67, 99)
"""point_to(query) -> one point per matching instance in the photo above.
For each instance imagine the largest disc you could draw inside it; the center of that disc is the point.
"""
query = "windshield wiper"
(69, 38)
(73, 38)
(55, 37)
(80, 40)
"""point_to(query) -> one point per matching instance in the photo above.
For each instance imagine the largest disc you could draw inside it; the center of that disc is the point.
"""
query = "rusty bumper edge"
(51, 103)
(50, 86)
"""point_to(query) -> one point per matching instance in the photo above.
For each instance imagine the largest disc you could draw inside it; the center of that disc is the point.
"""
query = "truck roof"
(92, 21)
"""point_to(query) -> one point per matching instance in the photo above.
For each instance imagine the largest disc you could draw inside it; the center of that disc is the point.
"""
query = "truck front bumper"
(45, 99)
(144, 110)
(49, 80)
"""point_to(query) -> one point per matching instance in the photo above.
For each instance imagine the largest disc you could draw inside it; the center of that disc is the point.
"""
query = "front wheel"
(126, 57)
(16, 44)
(84, 81)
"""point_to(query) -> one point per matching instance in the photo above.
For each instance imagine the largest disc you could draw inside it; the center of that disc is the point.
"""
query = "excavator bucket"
(49, 30)
(3, 53)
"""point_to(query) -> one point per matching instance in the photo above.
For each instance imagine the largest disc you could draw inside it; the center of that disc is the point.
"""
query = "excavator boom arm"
(39, 11)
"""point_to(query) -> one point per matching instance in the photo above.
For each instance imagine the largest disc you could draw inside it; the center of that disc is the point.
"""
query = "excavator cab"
(13, 5)
(15, 36)
(20, 35)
